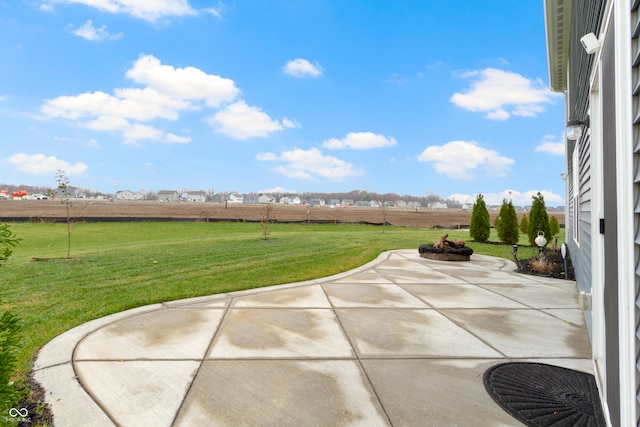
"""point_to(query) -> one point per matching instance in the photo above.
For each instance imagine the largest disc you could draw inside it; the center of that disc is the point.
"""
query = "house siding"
(581, 255)
(587, 18)
(635, 43)
(603, 183)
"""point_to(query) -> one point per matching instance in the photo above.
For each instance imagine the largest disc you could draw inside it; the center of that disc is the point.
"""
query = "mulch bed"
(556, 266)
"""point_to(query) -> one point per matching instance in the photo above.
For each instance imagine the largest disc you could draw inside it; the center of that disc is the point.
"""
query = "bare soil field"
(104, 210)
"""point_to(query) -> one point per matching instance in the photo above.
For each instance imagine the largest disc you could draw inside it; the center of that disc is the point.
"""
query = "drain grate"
(544, 395)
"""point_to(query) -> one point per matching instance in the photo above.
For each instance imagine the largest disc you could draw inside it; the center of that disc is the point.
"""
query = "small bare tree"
(65, 190)
(385, 213)
(267, 218)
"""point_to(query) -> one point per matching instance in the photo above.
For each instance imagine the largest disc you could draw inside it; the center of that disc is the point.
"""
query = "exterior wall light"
(590, 43)
(574, 128)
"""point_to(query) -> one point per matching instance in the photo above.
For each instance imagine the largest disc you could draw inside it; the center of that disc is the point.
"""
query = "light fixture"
(574, 132)
(590, 43)
(574, 128)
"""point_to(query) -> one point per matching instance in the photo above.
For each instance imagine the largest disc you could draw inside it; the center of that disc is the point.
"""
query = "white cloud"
(183, 83)
(215, 11)
(518, 198)
(142, 9)
(107, 123)
(302, 68)
(41, 164)
(176, 139)
(311, 164)
(241, 121)
(134, 132)
(137, 131)
(266, 157)
(501, 94)
(291, 124)
(93, 143)
(548, 145)
(89, 32)
(138, 104)
(168, 91)
(360, 141)
(4, 97)
(498, 114)
(461, 159)
(555, 148)
(277, 190)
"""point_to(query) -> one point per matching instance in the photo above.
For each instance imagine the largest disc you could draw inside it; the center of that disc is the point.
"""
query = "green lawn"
(126, 265)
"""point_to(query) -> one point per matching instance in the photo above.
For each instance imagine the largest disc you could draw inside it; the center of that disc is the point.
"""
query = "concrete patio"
(400, 341)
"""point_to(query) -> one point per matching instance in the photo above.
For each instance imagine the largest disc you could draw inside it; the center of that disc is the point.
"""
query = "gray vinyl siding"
(635, 43)
(581, 250)
(587, 17)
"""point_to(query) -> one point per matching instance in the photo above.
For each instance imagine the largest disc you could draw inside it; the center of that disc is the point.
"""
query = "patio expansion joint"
(357, 356)
(482, 340)
(202, 361)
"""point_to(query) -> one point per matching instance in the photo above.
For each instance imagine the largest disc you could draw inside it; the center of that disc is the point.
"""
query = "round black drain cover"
(544, 395)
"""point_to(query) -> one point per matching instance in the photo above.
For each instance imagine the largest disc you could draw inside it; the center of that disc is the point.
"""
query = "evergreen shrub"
(480, 226)
(538, 220)
(508, 231)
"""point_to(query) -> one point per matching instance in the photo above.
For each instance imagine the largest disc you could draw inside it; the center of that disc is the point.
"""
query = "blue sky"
(294, 95)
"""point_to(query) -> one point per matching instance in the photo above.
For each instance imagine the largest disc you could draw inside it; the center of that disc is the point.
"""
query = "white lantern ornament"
(540, 241)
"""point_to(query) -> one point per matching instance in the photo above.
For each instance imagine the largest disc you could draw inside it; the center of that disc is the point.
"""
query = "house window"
(575, 185)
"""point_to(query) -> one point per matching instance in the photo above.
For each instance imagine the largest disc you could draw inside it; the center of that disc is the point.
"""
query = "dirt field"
(101, 210)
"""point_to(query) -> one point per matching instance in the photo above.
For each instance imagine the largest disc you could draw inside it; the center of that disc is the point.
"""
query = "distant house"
(334, 202)
(194, 196)
(266, 200)
(129, 195)
(466, 206)
(168, 196)
(436, 205)
(316, 202)
(362, 203)
(401, 204)
(414, 205)
(220, 198)
(250, 199)
(347, 202)
(234, 198)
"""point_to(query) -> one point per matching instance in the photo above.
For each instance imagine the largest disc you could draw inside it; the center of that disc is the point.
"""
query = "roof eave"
(557, 17)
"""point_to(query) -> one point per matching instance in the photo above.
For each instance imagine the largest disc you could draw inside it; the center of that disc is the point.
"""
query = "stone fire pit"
(446, 250)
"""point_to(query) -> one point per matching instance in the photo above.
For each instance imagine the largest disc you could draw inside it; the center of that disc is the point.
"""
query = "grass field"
(126, 265)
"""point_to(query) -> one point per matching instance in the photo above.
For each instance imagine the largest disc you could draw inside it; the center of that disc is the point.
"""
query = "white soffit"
(557, 17)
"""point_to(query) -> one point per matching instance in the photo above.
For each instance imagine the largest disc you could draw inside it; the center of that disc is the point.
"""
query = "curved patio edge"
(72, 404)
